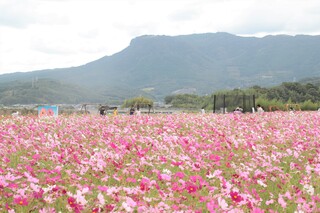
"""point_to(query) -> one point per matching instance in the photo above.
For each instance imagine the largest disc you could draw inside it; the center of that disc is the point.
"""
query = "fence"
(228, 103)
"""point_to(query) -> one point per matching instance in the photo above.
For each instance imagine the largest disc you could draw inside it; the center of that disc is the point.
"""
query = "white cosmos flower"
(166, 171)
(261, 183)
(309, 189)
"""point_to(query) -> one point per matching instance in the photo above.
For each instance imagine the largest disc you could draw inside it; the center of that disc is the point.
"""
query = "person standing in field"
(238, 110)
(132, 110)
(115, 111)
(259, 109)
(102, 110)
(138, 112)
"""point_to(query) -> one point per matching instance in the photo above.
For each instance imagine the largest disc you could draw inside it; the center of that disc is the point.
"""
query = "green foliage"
(44, 91)
(309, 105)
(141, 101)
(294, 92)
(186, 101)
(190, 101)
(274, 103)
(306, 95)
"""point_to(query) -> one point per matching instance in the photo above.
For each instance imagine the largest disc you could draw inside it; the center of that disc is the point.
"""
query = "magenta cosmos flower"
(191, 188)
(72, 202)
(235, 197)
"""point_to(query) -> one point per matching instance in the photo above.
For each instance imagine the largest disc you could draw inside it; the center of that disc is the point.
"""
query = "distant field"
(161, 163)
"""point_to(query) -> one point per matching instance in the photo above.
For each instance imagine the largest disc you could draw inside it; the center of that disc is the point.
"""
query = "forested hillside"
(307, 96)
(44, 91)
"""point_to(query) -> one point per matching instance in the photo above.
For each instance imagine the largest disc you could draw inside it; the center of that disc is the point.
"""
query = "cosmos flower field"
(161, 163)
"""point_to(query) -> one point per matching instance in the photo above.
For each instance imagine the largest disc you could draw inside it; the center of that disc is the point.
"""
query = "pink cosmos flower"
(8, 207)
(222, 203)
(103, 188)
(175, 207)
(47, 210)
(30, 178)
(195, 178)
(215, 159)
(178, 163)
(29, 168)
(113, 146)
(36, 157)
(101, 199)
(39, 194)
(268, 202)
(80, 198)
(109, 207)
(131, 202)
(281, 201)
(131, 180)
(164, 177)
(176, 187)
(12, 185)
(144, 185)
(21, 201)
(75, 206)
(211, 206)
(163, 159)
(179, 175)
(287, 194)
(316, 199)
(95, 210)
(257, 210)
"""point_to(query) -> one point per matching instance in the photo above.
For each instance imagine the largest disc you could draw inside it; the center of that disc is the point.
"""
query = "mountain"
(156, 66)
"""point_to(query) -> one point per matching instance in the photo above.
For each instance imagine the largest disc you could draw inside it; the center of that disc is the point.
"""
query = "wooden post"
(224, 104)
(214, 103)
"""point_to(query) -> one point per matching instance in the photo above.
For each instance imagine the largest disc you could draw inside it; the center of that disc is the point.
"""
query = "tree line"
(307, 96)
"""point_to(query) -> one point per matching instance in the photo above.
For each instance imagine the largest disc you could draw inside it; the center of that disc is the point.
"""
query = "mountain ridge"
(206, 62)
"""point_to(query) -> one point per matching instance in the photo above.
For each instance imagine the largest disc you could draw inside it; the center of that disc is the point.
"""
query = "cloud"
(184, 15)
(23, 13)
(55, 33)
(16, 13)
(89, 33)
(274, 17)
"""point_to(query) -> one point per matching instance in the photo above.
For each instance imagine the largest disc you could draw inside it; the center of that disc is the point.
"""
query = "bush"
(270, 104)
(141, 101)
(309, 105)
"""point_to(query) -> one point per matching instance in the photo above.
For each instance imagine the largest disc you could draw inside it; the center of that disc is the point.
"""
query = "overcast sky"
(41, 34)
